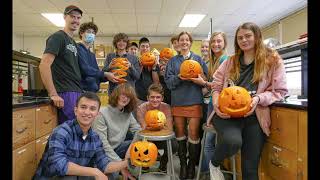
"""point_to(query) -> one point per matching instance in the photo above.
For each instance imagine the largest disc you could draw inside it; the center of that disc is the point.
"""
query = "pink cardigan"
(271, 88)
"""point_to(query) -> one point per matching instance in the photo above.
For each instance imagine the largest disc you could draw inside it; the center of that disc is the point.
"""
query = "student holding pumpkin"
(115, 121)
(149, 70)
(258, 69)
(155, 98)
(91, 75)
(121, 42)
(186, 100)
(217, 55)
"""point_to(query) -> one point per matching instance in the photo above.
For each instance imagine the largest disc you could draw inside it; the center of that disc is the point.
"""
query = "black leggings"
(240, 133)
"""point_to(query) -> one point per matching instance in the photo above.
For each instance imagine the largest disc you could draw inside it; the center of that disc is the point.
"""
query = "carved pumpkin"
(190, 69)
(143, 153)
(166, 53)
(234, 101)
(148, 59)
(118, 66)
(155, 120)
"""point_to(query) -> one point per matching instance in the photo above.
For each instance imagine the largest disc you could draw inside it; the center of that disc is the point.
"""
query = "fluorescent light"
(55, 18)
(191, 20)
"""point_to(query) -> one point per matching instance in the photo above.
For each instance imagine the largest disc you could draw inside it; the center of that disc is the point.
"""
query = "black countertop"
(292, 103)
(29, 101)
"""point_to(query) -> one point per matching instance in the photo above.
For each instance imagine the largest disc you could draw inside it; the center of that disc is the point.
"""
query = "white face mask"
(89, 38)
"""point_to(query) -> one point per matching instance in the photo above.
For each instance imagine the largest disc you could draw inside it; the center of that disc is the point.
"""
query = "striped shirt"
(67, 143)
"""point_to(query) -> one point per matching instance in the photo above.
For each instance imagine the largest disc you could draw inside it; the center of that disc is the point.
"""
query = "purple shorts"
(67, 112)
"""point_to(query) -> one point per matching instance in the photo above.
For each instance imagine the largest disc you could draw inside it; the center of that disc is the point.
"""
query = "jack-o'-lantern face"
(155, 119)
(190, 69)
(143, 153)
(234, 101)
(166, 53)
(148, 59)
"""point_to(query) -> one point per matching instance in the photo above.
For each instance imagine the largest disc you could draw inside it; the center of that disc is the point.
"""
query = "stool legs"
(201, 154)
(170, 158)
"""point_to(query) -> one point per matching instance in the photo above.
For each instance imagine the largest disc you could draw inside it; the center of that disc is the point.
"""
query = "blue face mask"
(89, 38)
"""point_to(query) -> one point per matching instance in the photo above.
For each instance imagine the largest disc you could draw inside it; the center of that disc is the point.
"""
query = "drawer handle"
(23, 150)
(21, 130)
(276, 162)
(47, 121)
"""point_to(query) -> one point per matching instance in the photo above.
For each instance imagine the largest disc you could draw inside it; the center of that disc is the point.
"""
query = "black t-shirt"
(143, 83)
(246, 75)
(65, 68)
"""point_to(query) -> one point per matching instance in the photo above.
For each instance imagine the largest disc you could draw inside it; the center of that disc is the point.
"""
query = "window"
(293, 74)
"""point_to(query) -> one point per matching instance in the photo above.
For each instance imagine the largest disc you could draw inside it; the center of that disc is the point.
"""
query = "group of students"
(89, 143)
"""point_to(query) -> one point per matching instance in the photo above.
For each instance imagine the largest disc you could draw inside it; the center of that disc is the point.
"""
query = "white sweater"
(112, 126)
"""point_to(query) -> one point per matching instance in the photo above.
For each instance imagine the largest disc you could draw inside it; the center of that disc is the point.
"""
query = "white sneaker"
(215, 173)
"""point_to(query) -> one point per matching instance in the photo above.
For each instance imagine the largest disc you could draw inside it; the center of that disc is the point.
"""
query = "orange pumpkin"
(143, 153)
(190, 69)
(119, 63)
(155, 119)
(166, 53)
(148, 59)
(234, 101)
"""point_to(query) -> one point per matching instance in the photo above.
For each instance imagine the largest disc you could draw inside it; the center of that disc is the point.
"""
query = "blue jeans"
(121, 152)
(209, 145)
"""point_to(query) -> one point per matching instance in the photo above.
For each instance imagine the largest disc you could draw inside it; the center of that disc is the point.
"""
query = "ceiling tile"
(147, 20)
(125, 19)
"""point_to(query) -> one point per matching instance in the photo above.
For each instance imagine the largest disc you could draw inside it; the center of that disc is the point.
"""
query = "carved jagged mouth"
(144, 161)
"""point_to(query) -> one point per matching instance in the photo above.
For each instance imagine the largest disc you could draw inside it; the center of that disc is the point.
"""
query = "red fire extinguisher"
(20, 88)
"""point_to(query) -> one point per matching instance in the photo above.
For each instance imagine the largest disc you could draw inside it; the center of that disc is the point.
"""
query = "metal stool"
(233, 160)
(162, 135)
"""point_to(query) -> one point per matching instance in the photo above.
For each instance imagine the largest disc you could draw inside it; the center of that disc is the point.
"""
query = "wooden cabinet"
(24, 162)
(31, 129)
(45, 117)
(40, 146)
(285, 153)
(23, 130)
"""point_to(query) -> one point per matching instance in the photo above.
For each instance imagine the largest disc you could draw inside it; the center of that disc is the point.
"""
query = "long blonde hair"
(213, 61)
(264, 57)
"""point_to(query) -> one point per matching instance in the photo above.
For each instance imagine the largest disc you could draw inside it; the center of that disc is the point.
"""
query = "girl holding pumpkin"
(116, 120)
(186, 100)
(155, 102)
(256, 68)
(217, 55)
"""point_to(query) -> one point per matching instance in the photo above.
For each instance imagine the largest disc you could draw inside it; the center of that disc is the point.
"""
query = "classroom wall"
(289, 28)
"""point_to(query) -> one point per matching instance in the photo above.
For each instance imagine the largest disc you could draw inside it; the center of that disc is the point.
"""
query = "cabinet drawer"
(40, 146)
(23, 130)
(45, 118)
(279, 163)
(284, 128)
(23, 163)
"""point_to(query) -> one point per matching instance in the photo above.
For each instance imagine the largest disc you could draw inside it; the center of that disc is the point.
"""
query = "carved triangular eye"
(135, 149)
(146, 152)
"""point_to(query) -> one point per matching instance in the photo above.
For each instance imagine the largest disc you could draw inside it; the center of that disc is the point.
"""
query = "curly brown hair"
(119, 37)
(156, 87)
(174, 38)
(86, 26)
(129, 91)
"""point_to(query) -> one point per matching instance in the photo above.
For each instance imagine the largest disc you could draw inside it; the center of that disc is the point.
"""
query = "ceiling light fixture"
(191, 20)
(55, 18)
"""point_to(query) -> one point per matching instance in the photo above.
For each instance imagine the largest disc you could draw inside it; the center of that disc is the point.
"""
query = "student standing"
(91, 75)
(59, 67)
(186, 102)
(121, 42)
